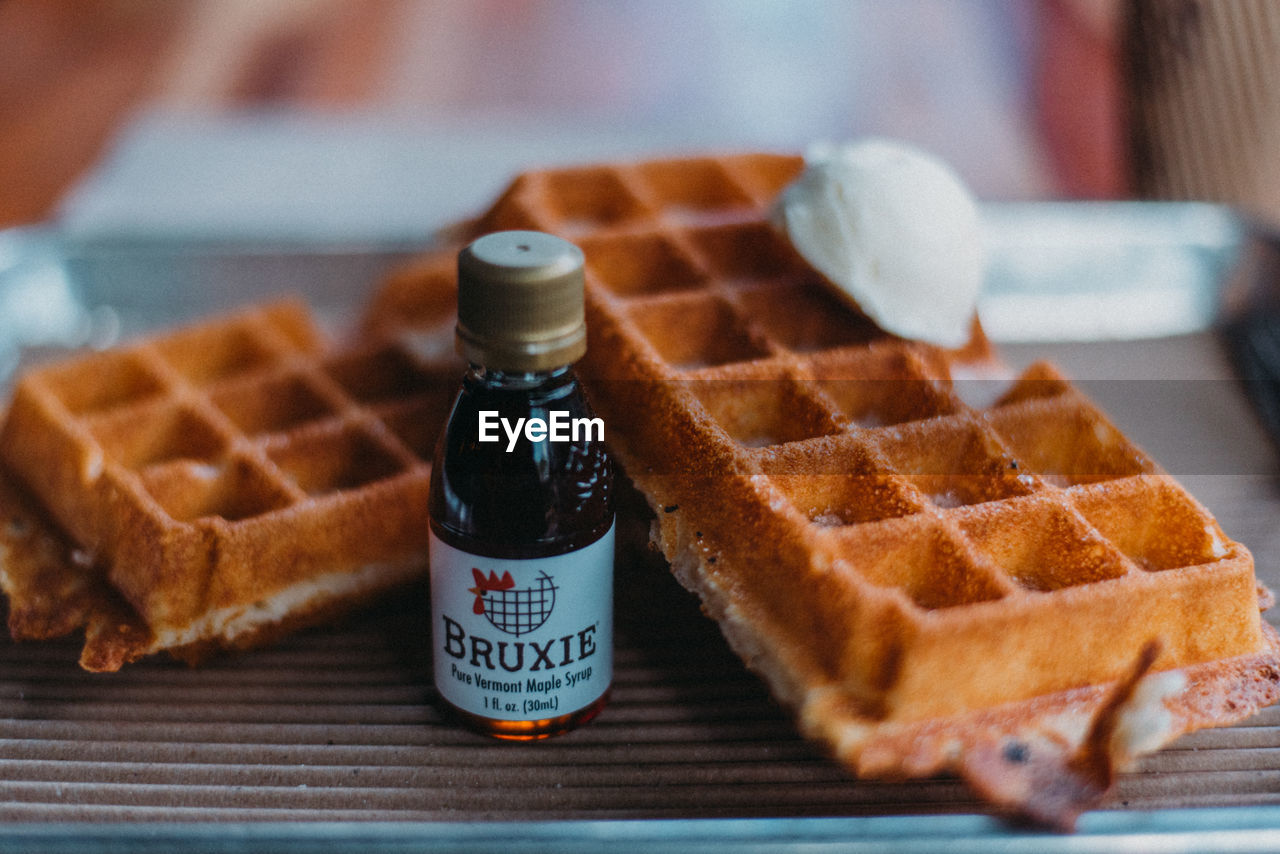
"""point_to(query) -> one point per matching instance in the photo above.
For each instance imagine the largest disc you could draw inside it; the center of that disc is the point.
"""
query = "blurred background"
(146, 109)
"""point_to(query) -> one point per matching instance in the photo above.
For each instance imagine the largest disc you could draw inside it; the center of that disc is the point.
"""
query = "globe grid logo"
(515, 612)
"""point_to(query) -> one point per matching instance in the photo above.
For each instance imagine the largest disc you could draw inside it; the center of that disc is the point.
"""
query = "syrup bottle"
(521, 517)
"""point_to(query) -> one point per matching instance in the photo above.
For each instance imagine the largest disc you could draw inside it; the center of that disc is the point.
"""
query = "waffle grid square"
(946, 527)
(879, 527)
(185, 463)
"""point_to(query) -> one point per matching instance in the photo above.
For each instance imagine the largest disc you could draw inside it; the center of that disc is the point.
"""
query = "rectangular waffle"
(222, 483)
(930, 584)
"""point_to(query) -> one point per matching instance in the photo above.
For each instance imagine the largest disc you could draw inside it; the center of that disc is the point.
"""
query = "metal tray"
(330, 740)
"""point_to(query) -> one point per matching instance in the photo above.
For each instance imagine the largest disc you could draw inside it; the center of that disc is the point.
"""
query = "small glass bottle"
(522, 515)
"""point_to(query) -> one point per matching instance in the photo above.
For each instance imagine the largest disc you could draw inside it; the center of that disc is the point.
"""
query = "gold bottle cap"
(520, 302)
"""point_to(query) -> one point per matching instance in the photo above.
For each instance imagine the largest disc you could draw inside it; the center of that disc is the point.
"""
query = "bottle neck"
(516, 380)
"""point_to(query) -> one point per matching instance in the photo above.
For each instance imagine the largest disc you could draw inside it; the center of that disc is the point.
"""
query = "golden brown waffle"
(931, 584)
(228, 481)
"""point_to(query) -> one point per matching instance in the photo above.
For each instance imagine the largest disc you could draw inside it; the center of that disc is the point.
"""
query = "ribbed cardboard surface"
(1203, 118)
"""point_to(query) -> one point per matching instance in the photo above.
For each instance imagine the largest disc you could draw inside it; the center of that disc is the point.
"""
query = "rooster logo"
(507, 609)
(492, 584)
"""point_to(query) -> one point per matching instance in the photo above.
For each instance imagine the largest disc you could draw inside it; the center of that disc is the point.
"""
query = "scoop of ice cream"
(896, 230)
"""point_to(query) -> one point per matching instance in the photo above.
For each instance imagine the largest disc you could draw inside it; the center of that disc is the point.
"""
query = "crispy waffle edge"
(1011, 752)
(55, 586)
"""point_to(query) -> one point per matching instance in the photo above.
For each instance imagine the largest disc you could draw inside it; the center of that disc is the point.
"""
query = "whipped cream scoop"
(896, 230)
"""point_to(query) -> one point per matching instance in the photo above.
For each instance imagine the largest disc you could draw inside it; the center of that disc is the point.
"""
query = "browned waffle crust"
(223, 483)
(923, 580)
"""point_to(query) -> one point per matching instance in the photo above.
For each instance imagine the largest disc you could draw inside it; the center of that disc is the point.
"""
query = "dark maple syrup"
(522, 545)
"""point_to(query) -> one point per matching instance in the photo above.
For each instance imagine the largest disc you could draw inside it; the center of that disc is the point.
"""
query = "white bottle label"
(522, 640)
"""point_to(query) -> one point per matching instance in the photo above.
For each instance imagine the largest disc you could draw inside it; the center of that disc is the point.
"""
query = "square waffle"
(221, 483)
(931, 583)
